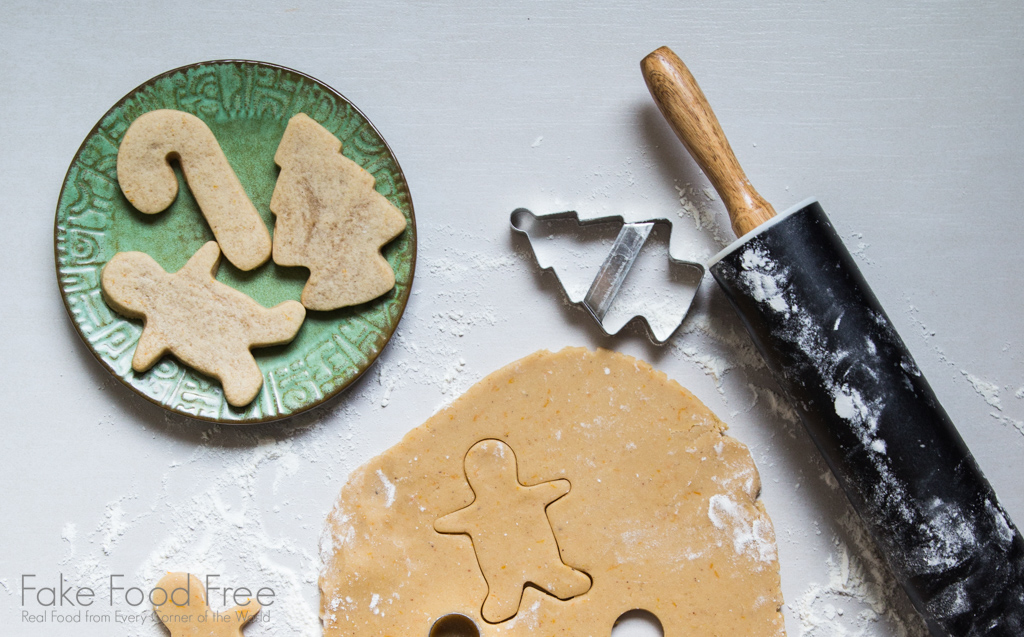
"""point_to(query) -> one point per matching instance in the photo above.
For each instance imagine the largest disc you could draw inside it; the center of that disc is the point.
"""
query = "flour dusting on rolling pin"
(857, 389)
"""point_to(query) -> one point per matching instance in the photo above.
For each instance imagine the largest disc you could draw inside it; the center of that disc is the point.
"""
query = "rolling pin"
(856, 388)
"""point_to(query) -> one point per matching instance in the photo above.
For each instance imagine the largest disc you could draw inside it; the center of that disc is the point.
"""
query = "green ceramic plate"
(247, 106)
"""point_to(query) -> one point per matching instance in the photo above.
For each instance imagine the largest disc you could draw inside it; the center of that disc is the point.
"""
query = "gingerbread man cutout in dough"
(183, 609)
(208, 325)
(330, 219)
(511, 534)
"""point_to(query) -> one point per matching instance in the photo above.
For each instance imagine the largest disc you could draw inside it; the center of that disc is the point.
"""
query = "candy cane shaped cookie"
(147, 180)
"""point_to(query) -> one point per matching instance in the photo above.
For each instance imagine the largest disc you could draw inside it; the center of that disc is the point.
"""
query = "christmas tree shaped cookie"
(330, 219)
(206, 324)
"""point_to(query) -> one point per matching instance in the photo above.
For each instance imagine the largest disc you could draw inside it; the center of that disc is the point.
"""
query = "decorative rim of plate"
(387, 331)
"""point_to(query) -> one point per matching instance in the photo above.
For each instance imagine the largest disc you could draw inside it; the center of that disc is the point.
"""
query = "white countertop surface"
(906, 122)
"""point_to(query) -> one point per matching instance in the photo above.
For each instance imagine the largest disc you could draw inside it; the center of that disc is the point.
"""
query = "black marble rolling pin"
(858, 391)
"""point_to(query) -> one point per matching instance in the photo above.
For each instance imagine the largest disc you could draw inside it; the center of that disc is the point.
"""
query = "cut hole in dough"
(638, 623)
(454, 625)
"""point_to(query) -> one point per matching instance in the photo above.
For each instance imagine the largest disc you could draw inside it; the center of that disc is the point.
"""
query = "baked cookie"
(571, 487)
(179, 601)
(206, 324)
(147, 180)
(330, 219)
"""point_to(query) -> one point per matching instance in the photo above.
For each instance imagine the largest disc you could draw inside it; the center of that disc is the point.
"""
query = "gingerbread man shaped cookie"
(179, 601)
(206, 324)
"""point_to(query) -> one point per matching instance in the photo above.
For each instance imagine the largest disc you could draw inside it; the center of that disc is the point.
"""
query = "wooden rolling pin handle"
(687, 110)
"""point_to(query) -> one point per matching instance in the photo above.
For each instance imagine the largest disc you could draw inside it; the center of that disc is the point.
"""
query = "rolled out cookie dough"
(660, 512)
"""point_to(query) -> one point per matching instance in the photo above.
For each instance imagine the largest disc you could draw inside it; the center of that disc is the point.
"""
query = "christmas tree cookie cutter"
(619, 292)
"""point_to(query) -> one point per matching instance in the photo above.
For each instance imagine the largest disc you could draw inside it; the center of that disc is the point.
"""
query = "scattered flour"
(861, 247)
(861, 598)
(694, 203)
(226, 529)
(424, 366)
(776, 405)
(766, 280)
(1011, 422)
(925, 331)
(713, 366)
(219, 512)
(717, 350)
(113, 528)
(749, 534)
(68, 534)
(988, 391)
(862, 414)
(434, 342)
(389, 489)
(528, 615)
(388, 383)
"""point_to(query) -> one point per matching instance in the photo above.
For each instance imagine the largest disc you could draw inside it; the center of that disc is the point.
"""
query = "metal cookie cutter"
(660, 291)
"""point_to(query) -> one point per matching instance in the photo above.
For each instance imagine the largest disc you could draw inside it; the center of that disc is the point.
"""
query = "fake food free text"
(62, 593)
